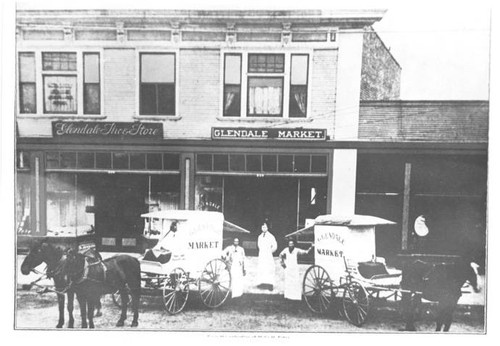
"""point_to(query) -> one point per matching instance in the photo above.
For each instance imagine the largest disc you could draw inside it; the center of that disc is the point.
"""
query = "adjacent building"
(283, 115)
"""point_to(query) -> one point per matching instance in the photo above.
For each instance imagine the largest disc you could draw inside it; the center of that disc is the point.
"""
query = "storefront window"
(23, 203)
(209, 193)
(69, 205)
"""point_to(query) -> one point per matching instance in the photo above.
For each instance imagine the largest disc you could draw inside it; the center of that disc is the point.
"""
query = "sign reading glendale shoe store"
(107, 130)
(295, 134)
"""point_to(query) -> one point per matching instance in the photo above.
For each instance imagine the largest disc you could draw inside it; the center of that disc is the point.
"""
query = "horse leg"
(71, 298)
(448, 317)
(60, 302)
(90, 312)
(83, 309)
(408, 311)
(135, 307)
(98, 307)
(123, 316)
(439, 317)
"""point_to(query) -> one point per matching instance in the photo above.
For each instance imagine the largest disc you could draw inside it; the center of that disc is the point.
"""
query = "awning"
(342, 220)
(232, 228)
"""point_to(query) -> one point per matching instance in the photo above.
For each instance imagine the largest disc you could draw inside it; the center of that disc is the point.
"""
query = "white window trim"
(39, 73)
(286, 85)
(157, 117)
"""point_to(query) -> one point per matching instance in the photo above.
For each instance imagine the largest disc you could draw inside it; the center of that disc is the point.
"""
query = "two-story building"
(283, 115)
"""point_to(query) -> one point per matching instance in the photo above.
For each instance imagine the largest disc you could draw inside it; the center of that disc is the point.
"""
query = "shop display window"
(209, 191)
(23, 202)
(68, 204)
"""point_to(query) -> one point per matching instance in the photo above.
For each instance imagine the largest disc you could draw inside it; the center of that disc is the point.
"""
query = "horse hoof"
(98, 314)
(134, 324)
(120, 324)
(59, 326)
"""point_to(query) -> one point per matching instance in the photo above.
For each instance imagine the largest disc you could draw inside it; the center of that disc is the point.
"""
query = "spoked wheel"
(117, 299)
(215, 283)
(175, 291)
(317, 289)
(355, 303)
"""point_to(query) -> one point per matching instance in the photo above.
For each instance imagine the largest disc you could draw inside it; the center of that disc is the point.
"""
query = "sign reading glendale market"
(300, 134)
(116, 130)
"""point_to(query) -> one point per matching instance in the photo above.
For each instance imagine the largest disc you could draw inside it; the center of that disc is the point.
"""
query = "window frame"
(176, 54)
(38, 50)
(286, 77)
(21, 83)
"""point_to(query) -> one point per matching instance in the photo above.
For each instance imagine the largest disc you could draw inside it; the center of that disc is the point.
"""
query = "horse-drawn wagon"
(342, 244)
(346, 267)
(187, 256)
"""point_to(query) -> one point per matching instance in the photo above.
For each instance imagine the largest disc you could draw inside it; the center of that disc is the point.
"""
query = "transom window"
(62, 75)
(271, 81)
(71, 160)
(157, 84)
(262, 163)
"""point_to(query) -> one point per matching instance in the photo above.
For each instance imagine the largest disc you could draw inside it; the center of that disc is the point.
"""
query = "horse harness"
(86, 270)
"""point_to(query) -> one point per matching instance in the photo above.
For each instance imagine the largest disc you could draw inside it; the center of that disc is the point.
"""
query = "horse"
(90, 279)
(54, 258)
(437, 282)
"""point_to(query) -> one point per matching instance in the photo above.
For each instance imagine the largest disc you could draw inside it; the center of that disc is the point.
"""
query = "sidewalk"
(468, 299)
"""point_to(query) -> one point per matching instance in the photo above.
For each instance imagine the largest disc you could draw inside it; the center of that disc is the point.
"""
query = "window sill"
(62, 116)
(264, 120)
(158, 117)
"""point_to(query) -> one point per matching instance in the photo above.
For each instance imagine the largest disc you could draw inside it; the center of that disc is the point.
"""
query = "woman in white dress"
(267, 246)
(289, 262)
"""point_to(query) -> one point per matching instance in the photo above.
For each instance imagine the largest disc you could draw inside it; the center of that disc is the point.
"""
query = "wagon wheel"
(355, 303)
(175, 291)
(215, 283)
(317, 289)
(117, 298)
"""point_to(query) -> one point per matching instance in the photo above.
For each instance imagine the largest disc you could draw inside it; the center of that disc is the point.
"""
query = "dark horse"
(90, 279)
(437, 282)
(55, 258)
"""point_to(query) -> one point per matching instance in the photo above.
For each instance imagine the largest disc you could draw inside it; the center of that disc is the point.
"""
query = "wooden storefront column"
(406, 208)
(343, 188)
(187, 181)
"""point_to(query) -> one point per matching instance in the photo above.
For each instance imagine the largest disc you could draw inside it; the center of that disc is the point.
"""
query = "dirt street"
(259, 313)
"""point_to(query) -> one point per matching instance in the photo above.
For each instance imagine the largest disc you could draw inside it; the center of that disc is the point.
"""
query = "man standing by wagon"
(288, 258)
(235, 255)
(267, 246)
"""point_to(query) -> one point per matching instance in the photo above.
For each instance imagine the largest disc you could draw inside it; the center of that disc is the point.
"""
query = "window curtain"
(265, 100)
(229, 100)
(300, 98)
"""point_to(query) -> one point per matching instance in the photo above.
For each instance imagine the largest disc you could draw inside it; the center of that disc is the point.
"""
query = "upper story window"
(60, 76)
(27, 83)
(271, 81)
(157, 84)
(59, 83)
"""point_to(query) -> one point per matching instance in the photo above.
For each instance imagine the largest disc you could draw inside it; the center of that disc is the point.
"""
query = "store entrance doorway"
(250, 200)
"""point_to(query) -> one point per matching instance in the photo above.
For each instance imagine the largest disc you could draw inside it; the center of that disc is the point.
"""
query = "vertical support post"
(298, 203)
(187, 185)
(37, 195)
(405, 231)
(343, 189)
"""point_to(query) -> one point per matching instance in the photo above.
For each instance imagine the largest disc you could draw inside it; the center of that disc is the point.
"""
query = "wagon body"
(341, 242)
(198, 240)
(187, 255)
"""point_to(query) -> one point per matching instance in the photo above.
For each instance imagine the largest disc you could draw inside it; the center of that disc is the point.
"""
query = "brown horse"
(54, 258)
(90, 279)
(437, 282)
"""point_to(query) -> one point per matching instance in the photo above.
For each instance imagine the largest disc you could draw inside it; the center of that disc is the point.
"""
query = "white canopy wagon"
(345, 265)
(187, 255)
